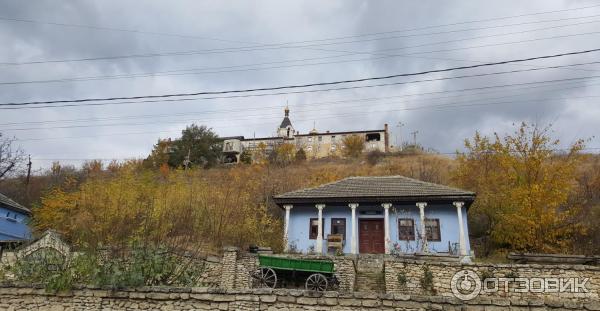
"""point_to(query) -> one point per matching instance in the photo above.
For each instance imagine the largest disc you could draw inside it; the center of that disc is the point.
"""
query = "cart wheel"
(316, 282)
(264, 277)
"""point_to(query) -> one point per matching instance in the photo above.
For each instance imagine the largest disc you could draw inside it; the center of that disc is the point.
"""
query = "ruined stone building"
(316, 144)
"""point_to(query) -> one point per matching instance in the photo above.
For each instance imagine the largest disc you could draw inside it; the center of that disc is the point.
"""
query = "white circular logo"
(465, 284)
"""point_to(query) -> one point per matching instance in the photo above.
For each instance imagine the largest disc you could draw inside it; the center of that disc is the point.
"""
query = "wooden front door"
(370, 236)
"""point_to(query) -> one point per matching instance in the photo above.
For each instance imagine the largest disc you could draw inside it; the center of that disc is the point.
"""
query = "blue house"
(377, 215)
(13, 221)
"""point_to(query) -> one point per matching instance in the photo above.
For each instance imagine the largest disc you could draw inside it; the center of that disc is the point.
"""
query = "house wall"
(299, 226)
(449, 230)
(13, 225)
(318, 145)
(331, 144)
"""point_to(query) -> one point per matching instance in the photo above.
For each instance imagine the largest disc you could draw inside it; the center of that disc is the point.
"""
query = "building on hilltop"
(314, 143)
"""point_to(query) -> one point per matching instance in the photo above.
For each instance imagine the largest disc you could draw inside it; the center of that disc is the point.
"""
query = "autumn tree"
(178, 210)
(300, 155)
(160, 154)
(198, 146)
(246, 157)
(200, 143)
(260, 154)
(523, 187)
(283, 154)
(353, 145)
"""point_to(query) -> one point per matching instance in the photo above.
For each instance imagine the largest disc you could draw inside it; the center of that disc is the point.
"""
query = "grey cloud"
(277, 21)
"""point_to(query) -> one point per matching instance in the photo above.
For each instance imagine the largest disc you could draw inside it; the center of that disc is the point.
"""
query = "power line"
(303, 85)
(137, 116)
(264, 116)
(311, 47)
(199, 71)
(443, 106)
(303, 91)
(334, 38)
(279, 45)
(277, 116)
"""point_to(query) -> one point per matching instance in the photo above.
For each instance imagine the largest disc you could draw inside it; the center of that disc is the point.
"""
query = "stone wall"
(404, 276)
(211, 275)
(247, 263)
(28, 298)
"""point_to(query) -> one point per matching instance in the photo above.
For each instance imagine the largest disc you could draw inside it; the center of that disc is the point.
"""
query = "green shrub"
(486, 274)
(374, 157)
(402, 279)
(511, 274)
(427, 280)
(246, 157)
(139, 266)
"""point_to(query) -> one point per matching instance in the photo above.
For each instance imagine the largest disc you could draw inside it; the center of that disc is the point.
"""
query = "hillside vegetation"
(531, 196)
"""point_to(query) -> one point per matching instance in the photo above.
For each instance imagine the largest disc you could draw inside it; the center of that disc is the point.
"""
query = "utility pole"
(28, 178)
(28, 171)
(399, 136)
(414, 134)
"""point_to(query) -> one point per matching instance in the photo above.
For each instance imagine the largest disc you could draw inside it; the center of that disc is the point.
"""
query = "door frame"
(380, 219)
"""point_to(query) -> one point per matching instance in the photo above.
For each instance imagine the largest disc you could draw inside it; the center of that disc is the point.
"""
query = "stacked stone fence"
(14, 297)
(406, 277)
(226, 283)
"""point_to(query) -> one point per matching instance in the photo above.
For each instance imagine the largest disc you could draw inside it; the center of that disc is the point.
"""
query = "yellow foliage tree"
(353, 146)
(523, 187)
(285, 153)
(181, 209)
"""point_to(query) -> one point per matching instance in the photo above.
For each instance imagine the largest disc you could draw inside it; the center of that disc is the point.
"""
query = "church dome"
(286, 120)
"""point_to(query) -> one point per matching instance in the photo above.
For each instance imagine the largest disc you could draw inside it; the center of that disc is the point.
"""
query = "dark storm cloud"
(249, 23)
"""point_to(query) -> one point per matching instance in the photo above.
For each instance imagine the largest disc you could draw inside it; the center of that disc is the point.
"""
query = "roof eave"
(20, 209)
(468, 199)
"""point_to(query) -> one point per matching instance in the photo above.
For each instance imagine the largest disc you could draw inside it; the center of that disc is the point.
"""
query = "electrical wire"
(285, 44)
(336, 102)
(309, 84)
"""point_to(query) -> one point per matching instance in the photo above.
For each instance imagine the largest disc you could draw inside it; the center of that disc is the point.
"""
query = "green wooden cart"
(280, 271)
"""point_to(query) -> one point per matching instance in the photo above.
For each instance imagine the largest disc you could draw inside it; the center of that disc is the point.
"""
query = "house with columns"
(377, 215)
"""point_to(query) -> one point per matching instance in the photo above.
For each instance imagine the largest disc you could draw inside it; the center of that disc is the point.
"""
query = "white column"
(461, 231)
(424, 247)
(353, 237)
(286, 226)
(386, 226)
(319, 245)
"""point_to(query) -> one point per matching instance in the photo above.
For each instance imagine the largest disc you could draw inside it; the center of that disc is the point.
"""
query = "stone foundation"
(28, 298)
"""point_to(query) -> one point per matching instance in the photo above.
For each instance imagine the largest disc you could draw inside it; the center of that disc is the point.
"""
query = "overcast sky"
(111, 48)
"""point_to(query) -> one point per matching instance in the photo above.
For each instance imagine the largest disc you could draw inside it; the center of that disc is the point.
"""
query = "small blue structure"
(13, 221)
(377, 215)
